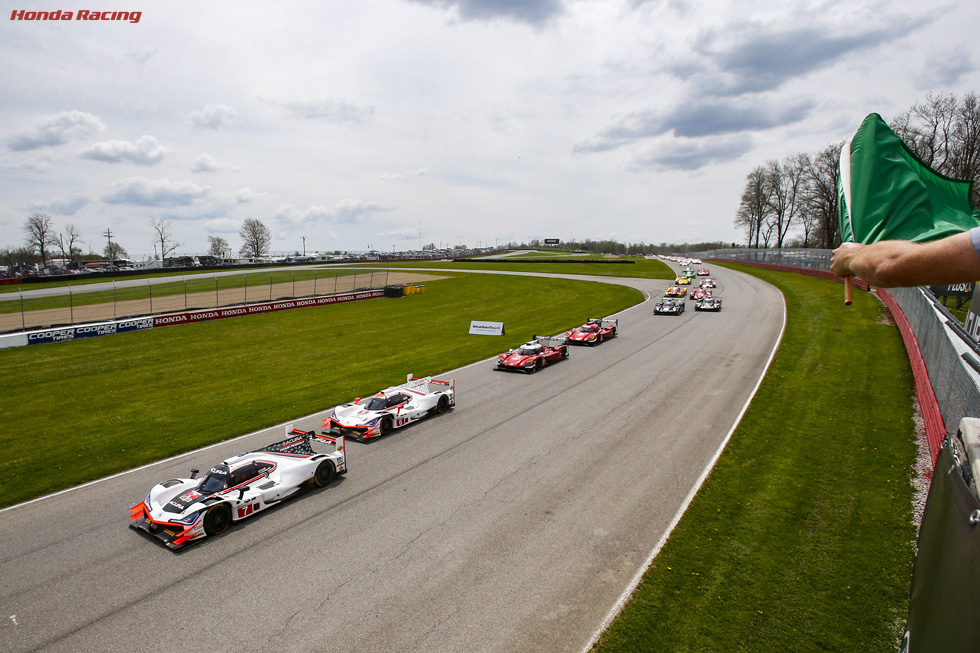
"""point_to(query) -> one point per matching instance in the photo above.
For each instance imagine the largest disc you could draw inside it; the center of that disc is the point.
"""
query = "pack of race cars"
(673, 302)
(183, 511)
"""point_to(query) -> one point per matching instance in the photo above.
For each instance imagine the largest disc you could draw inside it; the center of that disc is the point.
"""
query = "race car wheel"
(324, 473)
(217, 519)
(594, 342)
(387, 425)
(564, 353)
(443, 404)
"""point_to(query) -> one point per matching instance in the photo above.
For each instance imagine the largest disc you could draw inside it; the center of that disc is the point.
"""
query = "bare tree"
(217, 246)
(822, 176)
(163, 237)
(754, 205)
(66, 242)
(785, 193)
(256, 238)
(40, 234)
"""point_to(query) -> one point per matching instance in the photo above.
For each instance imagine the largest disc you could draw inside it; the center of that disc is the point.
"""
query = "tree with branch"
(164, 237)
(256, 238)
(40, 234)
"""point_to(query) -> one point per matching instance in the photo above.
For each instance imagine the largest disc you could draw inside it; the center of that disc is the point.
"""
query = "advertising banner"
(972, 323)
(486, 328)
(254, 309)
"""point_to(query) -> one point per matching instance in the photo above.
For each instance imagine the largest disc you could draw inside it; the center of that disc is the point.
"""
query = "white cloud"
(204, 163)
(213, 116)
(55, 130)
(140, 191)
(145, 151)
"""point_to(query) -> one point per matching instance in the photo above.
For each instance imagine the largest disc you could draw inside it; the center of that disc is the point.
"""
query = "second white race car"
(392, 408)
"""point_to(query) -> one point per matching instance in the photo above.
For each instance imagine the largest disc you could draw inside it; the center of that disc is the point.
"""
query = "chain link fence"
(82, 304)
(952, 358)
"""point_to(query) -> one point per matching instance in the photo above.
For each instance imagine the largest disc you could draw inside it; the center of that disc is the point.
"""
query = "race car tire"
(324, 473)
(594, 342)
(217, 519)
(443, 404)
(533, 368)
(387, 425)
(564, 353)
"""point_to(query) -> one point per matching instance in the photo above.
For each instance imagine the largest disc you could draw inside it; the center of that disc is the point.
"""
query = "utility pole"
(304, 245)
(108, 237)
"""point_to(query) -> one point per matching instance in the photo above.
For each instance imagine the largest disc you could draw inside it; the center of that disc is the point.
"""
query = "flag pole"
(847, 290)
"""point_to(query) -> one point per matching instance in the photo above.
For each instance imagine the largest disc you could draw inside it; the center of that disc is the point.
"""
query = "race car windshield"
(529, 349)
(588, 327)
(213, 483)
(374, 403)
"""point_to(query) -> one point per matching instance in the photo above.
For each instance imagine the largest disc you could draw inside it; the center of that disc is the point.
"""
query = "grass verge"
(801, 538)
(81, 410)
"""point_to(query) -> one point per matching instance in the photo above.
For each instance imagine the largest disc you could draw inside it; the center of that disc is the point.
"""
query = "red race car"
(700, 293)
(593, 332)
(532, 356)
(703, 272)
(675, 291)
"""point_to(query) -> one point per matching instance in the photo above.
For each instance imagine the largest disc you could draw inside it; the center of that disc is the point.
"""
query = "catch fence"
(84, 303)
(951, 357)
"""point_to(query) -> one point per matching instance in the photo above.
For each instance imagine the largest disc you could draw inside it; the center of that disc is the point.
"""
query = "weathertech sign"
(81, 14)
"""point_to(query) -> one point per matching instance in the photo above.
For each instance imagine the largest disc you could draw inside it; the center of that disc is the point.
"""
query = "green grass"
(640, 268)
(80, 410)
(800, 539)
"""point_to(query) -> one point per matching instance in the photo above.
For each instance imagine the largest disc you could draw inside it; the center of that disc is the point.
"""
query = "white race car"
(392, 408)
(183, 510)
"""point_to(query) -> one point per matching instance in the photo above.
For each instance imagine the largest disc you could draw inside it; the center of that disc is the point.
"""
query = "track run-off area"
(514, 522)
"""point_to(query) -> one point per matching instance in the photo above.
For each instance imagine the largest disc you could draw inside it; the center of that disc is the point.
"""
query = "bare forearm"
(900, 263)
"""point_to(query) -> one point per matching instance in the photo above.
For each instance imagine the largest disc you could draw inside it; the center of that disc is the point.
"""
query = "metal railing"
(81, 304)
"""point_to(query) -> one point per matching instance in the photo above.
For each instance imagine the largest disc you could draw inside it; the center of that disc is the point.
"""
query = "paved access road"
(511, 523)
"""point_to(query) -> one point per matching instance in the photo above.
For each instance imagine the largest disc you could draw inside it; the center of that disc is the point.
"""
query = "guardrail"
(950, 359)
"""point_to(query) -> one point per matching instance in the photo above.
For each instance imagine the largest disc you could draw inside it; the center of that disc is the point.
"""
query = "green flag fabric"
(886, 193)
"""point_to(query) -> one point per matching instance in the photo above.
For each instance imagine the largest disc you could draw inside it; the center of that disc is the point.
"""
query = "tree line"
(42, 242)
(793, 202)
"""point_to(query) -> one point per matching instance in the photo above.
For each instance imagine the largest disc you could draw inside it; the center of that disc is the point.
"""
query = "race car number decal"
(247, 510)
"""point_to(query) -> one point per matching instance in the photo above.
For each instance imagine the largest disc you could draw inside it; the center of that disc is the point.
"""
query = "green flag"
(886, 193)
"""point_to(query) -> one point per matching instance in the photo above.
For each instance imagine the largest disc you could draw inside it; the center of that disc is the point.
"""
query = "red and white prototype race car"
(708, 283)
(593, 332)
(392, 408)
(182, 511)
(700, 293)
(703, 272)
(532, 356)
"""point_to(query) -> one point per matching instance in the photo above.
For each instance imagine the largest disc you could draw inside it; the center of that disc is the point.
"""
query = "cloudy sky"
(384, 123)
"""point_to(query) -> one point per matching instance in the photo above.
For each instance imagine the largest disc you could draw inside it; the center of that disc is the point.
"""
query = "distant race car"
(703, 272)
(682, 281)
(700, 293)
(183, 511)
(668, 306)
(593, 332)
(392, 408)
(532, 356)
(708, 283)
(708, 304)
(675, 291)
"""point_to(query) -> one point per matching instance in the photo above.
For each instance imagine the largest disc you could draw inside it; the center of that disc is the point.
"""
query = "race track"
(512, 523)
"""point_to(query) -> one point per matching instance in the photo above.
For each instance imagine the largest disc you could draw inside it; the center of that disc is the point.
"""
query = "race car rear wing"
(298, 442)
(422, 384)
(551, 341)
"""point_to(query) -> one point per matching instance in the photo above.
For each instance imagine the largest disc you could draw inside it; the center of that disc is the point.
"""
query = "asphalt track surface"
(511, 523)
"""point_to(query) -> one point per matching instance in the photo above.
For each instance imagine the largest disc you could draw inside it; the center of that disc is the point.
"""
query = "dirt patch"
(53, 317)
